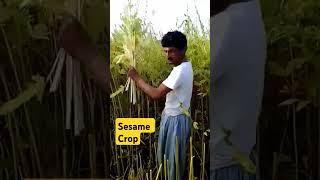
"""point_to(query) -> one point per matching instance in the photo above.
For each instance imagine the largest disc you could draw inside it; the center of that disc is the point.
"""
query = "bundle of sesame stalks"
(130, 49)
(131, 35)
(130, 82)
(73, 76)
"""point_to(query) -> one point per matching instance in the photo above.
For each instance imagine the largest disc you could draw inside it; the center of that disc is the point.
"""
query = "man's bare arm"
(152, 92)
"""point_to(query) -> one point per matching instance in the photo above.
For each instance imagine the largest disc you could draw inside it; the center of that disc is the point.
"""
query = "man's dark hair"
(174, 39)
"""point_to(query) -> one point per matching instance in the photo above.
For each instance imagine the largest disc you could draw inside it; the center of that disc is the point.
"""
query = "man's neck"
(180, 62)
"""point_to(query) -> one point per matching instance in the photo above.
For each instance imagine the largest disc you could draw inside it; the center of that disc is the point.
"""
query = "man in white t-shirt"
(175, 124)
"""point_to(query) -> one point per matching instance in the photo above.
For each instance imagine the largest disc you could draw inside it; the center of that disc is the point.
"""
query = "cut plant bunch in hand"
(130, 48)
(76, 48)
(73, 80)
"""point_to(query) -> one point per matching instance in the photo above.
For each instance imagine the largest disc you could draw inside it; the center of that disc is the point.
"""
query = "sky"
(162, 14)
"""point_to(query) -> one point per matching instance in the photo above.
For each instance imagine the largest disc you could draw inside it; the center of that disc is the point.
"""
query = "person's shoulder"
(186, 67)
(188, 64)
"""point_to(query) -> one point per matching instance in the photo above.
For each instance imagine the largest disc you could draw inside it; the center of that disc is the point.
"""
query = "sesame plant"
(288, 139)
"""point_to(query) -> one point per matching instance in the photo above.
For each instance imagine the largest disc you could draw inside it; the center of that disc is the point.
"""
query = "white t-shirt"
(238, 53)
(180, 81)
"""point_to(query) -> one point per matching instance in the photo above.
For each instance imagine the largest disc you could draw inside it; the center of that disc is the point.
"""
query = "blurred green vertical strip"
(24, 23)
(92, 154)
(105, 121)
(29, 124)
(318, 90)
(301, 28)
(10, 120)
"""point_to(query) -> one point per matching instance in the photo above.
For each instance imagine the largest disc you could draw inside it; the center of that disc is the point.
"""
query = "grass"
(293, 72)
(34, 132)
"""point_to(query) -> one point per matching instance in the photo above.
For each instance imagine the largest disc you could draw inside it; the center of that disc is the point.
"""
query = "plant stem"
(294, 114)
(318, 99)
(29, 124)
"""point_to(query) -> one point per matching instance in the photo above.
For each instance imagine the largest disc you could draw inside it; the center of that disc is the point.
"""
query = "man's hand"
(133, 74)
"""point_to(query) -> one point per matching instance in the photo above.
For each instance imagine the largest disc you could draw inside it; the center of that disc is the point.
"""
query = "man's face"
(174, 55)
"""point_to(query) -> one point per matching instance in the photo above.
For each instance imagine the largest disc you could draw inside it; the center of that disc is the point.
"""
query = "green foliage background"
(288, 137)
